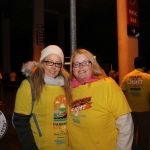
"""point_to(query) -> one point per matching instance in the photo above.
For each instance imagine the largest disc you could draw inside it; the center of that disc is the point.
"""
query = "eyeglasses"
(84, 63)
(50, 63)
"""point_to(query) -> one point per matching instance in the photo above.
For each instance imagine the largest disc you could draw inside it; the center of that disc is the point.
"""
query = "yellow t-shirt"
(136, 85)
(51, 114)
(93, 114)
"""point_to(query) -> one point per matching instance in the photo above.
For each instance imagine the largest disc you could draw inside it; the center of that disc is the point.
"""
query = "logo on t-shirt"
(81, 104)
(60, 109)
(60, 118)
(135, 80)
(135, 83)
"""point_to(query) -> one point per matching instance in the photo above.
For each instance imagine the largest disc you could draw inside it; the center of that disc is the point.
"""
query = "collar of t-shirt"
(139, 69)
(75, 82)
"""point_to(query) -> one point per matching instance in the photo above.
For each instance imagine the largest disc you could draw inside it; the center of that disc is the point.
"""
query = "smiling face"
(81, 72)
(51, 70)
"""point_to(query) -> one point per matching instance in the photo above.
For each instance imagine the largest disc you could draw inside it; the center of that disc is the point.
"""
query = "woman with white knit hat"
(51, 88)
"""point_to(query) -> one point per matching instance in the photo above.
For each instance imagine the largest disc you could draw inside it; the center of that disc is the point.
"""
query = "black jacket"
(22, 126)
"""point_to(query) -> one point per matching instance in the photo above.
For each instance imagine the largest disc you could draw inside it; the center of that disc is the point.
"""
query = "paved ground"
(10, 140)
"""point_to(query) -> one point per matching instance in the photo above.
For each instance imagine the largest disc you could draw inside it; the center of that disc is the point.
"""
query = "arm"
(125, 126)
(24, 132)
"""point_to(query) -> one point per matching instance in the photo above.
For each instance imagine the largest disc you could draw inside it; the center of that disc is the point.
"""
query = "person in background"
(12, 77)
(1, 77)
(114, 75)
(99, 117)
(111, 73)
(51, 87)
(136, 87)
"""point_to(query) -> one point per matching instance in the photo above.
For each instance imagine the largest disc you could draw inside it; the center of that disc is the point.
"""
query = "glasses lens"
(59, 65)
(49, 63)
(75, 65)
(85, 63)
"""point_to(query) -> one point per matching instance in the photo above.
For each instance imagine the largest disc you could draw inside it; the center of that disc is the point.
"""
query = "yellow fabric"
(136, 85)
(99, 104)
(51, 114)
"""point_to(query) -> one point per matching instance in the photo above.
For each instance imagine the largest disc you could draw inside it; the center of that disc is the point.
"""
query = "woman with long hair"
(99, 117)
(40, 112)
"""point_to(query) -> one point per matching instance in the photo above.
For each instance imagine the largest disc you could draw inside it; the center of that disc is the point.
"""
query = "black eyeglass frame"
(53, 63)
(82, 63)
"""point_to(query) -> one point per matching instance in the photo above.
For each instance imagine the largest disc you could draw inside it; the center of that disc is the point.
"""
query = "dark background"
(96, 28)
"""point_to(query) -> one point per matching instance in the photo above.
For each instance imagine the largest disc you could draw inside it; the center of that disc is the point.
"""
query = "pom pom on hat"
(52, 49)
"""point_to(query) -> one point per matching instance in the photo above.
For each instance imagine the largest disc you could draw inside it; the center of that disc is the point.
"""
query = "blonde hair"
(97, 70)
(37, 82)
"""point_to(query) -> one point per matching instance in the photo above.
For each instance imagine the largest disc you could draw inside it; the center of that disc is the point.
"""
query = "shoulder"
(25, 84)
(126, 77)
(146, 74)
(130, 73)
(108, 82)
(146, 77)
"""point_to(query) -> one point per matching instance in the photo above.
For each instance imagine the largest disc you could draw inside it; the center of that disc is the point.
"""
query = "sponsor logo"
(60, 109)
(81, 104)
(60, 141)
(135, 81)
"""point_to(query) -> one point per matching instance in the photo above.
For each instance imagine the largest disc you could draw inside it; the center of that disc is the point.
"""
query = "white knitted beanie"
(52, 49)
